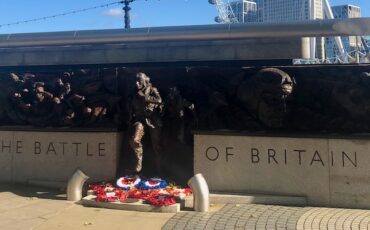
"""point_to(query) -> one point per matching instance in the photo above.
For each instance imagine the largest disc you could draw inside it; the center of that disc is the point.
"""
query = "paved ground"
(25, 207)
(250, 216)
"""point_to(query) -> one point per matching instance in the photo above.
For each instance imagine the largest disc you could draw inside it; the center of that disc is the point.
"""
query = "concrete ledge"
(135, 206)
(219, 198)
(148, 52)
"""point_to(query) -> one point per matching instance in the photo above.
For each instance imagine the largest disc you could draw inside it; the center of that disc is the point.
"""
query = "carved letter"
(51, 148)
(299, 155)
(5, 146)
(212, 158)
(63, 143)
(228, 154)
(18, 147)
(332, 158)
(271, 154)
(255, 155)
(87, 151)
(37, 147)
(285, 157)
(318, 159)
(353, 162)
(101, 148)
(77, 144)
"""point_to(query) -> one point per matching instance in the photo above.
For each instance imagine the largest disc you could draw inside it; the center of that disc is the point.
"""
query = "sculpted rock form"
(210, 99)
(29, 99)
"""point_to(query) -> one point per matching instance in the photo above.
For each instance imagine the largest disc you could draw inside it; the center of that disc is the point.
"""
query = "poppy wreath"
(176, 191)
(161, 200)
(142, 194)
(153, 183)
(116, 195)
(107, 193)
(128, 182)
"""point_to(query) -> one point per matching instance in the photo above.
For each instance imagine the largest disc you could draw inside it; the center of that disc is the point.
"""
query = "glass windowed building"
(245, 10)
(350, 43)
(282, 11)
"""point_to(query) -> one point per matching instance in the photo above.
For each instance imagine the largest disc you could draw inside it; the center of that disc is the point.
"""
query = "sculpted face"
(265, 94)
(272, 107)
(141, 80)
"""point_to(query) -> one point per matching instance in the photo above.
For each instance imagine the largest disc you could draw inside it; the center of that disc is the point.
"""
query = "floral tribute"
(108, 193)
(128, 182)
(154, 191)
(153, 183)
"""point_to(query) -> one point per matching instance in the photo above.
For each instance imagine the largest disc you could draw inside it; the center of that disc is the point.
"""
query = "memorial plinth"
(55, 155)
(329, 171)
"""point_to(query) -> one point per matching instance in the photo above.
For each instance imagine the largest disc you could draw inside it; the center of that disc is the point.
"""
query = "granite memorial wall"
(306, 100)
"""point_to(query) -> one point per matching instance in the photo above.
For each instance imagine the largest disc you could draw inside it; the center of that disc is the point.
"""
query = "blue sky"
(144, 13)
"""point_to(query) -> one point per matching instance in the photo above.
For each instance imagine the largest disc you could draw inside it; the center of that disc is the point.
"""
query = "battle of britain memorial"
(295, 131)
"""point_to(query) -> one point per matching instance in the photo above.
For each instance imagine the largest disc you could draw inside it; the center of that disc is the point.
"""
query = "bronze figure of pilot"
(144, 112)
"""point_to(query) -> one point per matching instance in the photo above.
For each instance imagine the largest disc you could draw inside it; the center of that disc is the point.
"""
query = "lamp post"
(127, 9)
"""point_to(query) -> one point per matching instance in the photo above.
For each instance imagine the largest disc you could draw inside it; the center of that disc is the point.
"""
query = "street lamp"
(127, 9)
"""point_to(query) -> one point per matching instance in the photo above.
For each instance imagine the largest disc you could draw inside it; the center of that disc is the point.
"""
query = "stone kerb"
(54, 156)
(329, 172)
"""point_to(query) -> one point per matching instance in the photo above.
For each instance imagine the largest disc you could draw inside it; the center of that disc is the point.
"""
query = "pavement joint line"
(292, 222)
(336, 211)
(330, 212)
(350, 213)
(342, 219)
(332, 220)
(290, 217)
(315, 223)
(309, 220)
(303, 219)
(280, 216)
(366, 216)
(347, 224)
(325, 219)
(252, 218)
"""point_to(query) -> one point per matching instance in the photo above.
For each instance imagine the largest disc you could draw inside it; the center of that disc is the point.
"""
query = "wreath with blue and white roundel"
(128, 182)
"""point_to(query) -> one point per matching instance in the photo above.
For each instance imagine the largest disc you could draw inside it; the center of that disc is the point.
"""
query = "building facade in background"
(245, 10)
(283, 11)
(350, 43)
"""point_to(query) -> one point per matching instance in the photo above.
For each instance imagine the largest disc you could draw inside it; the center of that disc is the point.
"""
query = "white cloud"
(115, 12)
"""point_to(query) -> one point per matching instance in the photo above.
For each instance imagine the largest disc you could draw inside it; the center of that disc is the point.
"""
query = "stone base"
(49, 156)
(328, 171)
(134, 206)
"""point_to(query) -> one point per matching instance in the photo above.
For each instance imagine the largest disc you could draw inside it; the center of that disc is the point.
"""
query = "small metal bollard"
(75, 185)
(200, 190)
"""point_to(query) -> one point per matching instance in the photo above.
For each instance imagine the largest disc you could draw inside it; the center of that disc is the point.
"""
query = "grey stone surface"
(219, 198)
(55, 156)
(247, 49)
(6, 156)
(328, 172)
(349, 185)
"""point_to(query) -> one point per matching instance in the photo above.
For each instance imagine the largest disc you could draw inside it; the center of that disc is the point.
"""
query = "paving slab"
(255, 216)
(26, 207)
(79, 217)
